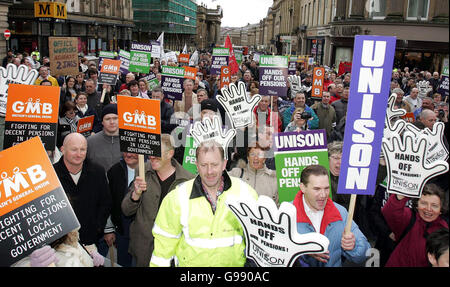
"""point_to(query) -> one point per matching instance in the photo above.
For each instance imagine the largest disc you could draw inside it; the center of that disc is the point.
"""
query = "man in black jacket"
(86, 187)
(120, 177)
(166, 111)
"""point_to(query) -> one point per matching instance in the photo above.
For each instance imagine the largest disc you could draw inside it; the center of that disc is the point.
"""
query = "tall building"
(176, 18)
(98, 25)
(325, 29)
(208, 26)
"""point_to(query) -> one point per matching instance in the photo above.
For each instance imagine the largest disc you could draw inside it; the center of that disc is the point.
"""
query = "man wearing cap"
(104, 147)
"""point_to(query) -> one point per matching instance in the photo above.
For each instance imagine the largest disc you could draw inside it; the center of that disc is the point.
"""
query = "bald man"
(428, 118)
(86, 187)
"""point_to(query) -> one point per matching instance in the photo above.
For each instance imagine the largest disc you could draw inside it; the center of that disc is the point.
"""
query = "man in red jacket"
(263, 112)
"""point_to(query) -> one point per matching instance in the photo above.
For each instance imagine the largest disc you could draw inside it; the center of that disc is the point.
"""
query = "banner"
(238, 55)
(140, 58)
(172, 82)
(34, 209)
(183, 59)
(190, 72)
(293, 152)
(109, 72)
(273, 72)
(373, 58)
(124, 57)
(232, 62)
(220, 57)
(14, 75)
(156, 49)
(292, 68)
(104, 55)
(317, 84)
(189, 157)
(152, 81)
(31, 111)
(85, 124)
(139, 125)
(270, 233)
(225, 76)
(63, 53)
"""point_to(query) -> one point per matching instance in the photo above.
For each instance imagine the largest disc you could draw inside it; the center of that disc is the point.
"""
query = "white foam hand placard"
(407, 168)
(238, 105)
(424, 88)
(212, 130)
(15, 75)
(436, 148)
(296, 85)
(271, 234)
(397, 127)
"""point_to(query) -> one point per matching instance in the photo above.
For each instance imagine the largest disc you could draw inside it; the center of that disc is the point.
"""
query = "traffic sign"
(7, 34)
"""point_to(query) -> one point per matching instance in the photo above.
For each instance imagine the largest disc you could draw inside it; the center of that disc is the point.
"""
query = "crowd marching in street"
(172, 217)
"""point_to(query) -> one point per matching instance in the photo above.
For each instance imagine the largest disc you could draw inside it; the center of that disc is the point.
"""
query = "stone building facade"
(98, 25)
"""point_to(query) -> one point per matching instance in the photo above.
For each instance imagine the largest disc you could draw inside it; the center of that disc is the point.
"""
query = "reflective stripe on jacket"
(187, 230)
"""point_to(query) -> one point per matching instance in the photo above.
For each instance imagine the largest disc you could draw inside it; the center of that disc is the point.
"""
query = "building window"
(418, 9)
(376, 9)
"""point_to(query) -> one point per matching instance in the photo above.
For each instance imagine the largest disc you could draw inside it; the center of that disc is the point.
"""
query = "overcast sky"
(238, 13)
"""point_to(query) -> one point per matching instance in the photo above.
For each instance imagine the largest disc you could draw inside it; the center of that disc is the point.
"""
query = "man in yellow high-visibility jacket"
(194, 226)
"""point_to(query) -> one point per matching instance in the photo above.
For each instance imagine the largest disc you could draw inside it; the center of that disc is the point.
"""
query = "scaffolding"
(169, 16)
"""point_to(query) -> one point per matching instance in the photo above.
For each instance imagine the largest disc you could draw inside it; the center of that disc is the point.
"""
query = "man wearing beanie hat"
(104, 147)
(208, 107)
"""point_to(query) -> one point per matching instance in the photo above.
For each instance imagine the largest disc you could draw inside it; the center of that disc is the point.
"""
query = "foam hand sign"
(271, 233)
(212, 130)
(424, 88)
(436, 147)
(238, 105)
(296, 85)
(15, 75)
(407, 168)
(393, 128)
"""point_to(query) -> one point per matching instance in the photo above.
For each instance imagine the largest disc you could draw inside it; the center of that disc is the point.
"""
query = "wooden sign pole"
(351, 210)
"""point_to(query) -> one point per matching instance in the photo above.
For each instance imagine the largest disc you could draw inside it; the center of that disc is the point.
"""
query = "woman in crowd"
(68, 122)
(84, 111)
(257, 175)
(411, 227)
(143, 89)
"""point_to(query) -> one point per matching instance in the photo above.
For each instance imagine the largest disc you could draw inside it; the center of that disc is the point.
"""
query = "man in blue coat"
(316, 212)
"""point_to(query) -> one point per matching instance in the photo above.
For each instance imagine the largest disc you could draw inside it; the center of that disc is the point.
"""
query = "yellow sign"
(50, 10)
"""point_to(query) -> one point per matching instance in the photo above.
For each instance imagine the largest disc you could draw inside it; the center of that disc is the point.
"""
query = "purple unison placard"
(273, 72)
(373, 58)
(295, 141)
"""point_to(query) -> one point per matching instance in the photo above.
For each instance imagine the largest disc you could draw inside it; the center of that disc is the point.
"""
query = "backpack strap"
(409, 227)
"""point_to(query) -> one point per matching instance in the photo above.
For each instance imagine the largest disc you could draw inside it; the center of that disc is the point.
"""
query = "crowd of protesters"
(407, 232)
